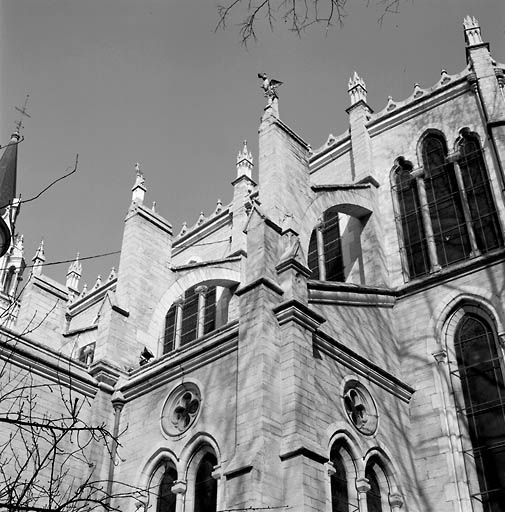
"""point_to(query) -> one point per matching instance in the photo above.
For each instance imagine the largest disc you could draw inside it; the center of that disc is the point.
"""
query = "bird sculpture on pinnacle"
(269, 86)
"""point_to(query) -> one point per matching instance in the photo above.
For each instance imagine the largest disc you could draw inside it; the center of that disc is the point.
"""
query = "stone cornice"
(298, 313)
(341, 186)
(80, 330)
(291, 133)
(92, 297)
(262, 281)
(199, 264)
(48, 285)
(149, 215)
(303, 451)
(197, 234)
(40, 360)
(293, 263)
(187, 359)
(327, 292)
(362, 366)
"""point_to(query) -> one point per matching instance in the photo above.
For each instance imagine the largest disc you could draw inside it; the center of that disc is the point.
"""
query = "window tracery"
(445, 211)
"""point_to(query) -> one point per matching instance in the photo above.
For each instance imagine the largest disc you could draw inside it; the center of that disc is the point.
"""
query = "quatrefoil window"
(360, 407)
(181, 409)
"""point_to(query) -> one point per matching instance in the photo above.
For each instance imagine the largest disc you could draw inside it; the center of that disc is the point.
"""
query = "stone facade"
(274, 377)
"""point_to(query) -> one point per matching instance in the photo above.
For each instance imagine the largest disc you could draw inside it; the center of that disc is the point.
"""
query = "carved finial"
(219, 206)
(472, 31)
(84, 290)
(98, 282)
(244, 162)
(39, 253)
(138, 189)
(184, 229)
(201, 219)
(73, 276)
(444, 77)
(357, 89)
(112, 274)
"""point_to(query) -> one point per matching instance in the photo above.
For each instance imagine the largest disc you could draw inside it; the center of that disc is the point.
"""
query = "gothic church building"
(332, 340)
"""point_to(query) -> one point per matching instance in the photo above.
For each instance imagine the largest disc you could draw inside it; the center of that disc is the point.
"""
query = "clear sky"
(121, 81)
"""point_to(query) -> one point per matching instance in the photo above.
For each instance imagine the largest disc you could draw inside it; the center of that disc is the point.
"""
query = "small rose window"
(181, 409)
(360, 407)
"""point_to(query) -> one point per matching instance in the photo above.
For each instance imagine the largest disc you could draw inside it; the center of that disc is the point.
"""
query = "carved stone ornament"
(181, 409)
(360, 407)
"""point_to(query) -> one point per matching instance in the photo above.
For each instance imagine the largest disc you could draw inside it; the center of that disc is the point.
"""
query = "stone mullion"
(425, 214)
(320, 253)
(201, 291)
(178, 323)
(179, 489)
(466, 208)
(362, 486)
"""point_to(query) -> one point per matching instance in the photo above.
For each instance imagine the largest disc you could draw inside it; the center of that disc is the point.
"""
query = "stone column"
(201, 291)
(330, 471)
(464, 202)
(217, 475)
(178, 322)
(320, 252)
(179, 489)
(425, 213)
(362, 486)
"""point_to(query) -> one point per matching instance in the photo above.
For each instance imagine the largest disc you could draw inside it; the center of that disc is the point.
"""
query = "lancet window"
(481, 376)
(325, 249)
(445, 211)
(373, 496)
(206, 485)
(202, 309)
(166, 499)
(338, 481)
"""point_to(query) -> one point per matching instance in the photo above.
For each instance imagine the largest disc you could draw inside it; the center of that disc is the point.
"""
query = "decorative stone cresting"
(181, 409)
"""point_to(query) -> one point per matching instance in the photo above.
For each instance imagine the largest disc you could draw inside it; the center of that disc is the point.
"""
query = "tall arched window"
(339, 493)
(409, 220)
(166, 498)
(373, 496)
(325, 249)
(452, 198)
(206, 485)
(483, 214)
(481, 371)
(444, 202)
(195, 314)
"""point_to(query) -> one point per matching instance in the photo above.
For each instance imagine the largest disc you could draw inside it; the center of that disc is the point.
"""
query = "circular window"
(181, 409)
(360, 407)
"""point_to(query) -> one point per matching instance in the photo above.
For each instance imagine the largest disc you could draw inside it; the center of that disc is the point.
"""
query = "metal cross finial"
(23, 112)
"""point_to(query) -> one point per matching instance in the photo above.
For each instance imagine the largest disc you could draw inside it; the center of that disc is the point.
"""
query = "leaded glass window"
(339, 494)
(373, 496)
(206, 485)
(444, 203)
(478, 192)
(331, 250)
(481, 372)
(166, 498)
(409, 218)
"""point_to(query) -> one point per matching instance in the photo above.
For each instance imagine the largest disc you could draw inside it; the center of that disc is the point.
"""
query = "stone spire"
(356, 89)
(138, 189)
(39, 259)
(244, 162)
(74, 274)
(473, 36)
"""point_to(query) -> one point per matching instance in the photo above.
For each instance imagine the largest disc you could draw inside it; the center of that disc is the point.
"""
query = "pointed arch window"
(166, 501)
(409, 220)
(444, 202)
(206, 485)
(373, 496)
(325, 249)
(194, 315)
(480, 368)
(449, 215)
(338, 480)
(483, 215)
